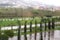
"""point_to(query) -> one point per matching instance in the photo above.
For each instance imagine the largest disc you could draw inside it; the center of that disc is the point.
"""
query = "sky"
(48, 2)
(51, 2)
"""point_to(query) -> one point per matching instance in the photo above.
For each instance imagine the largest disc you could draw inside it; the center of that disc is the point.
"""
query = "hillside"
(29, 12)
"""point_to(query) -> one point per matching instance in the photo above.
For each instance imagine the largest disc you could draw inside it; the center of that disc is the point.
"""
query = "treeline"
(26, 12)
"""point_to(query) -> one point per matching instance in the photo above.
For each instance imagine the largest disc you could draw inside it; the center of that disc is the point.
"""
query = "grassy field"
(13, 22)
(8, 12)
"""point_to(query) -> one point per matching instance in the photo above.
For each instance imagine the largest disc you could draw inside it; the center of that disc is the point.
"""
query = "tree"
(35, 12)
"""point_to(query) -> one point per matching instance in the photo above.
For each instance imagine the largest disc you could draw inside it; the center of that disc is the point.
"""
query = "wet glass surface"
(51, 35)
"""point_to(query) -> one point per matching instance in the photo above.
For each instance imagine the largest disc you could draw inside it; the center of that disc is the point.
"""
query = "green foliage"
(13, 12)
(3, 37)
(9, 33)
(35, 12)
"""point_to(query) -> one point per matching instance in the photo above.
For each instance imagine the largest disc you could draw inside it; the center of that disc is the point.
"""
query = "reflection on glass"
(52, 34)
(41, 36)
(44, 35)
(49, 35)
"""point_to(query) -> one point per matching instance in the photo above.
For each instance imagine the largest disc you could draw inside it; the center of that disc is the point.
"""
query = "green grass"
(15, 23)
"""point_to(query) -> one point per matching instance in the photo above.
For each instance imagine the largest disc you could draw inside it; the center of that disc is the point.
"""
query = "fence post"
(45, 25)
(45, 28)
(30, 29)
(49, 24)
(19, 29)
(25, 30)
(41, 29)
(35, 29)
(41, 26)
(53, 23)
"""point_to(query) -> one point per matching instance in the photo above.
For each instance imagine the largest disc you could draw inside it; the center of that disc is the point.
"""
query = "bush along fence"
(43, 27)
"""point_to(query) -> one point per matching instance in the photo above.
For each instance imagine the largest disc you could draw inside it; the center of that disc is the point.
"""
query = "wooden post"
(30, 29)
(41, 29)
(19, 29)
(41, 26)
(53, 24)
(41, 36)
(25, 30)
(45, 25)
(35, 29)
(49, 24)
(45, 28)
